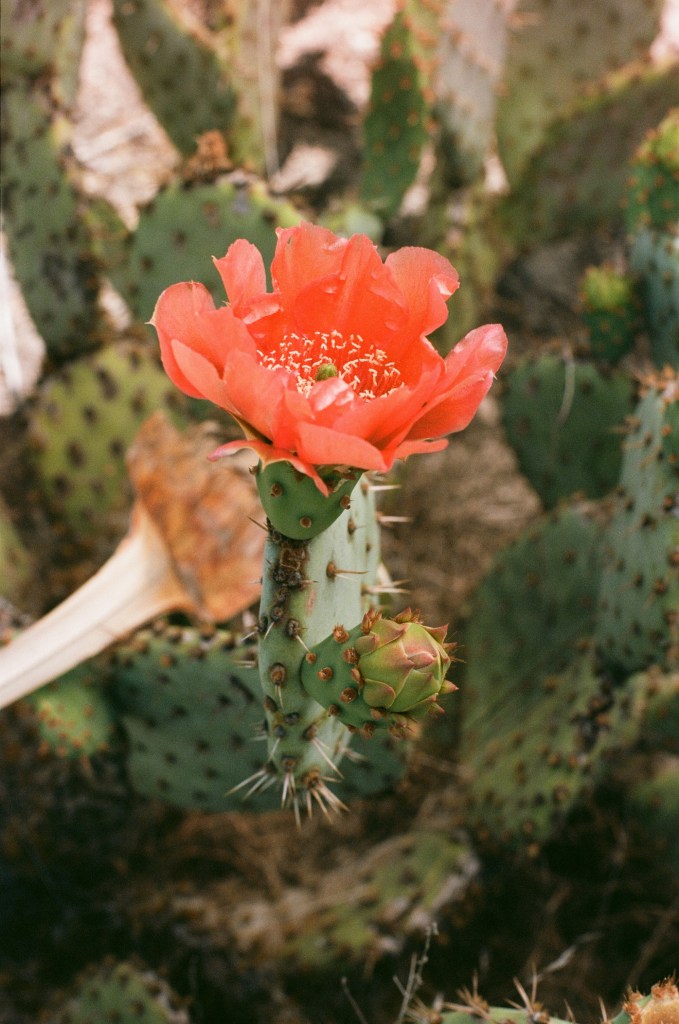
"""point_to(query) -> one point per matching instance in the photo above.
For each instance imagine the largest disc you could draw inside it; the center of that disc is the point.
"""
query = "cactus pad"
(309, 512)
(396, 127)
(564, 420)
(556, 49)
(52, 255)
(182, 223)
(191, 708)
(83, 420)
(75, 717)
(122, 992)
(639, 596)
(611, 310)
(178, 68)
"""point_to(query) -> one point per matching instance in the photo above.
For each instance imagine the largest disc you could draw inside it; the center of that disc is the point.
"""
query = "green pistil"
(325, 371)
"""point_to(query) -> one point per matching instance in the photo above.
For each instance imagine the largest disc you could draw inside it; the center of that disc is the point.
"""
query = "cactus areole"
(329, 374)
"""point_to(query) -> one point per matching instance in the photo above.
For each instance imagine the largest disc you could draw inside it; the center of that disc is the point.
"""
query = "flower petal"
(426, 280)
(324, 446)
(470, 371)
(303, 254)
(179, 315)
(268, 453)
(359, 298)
(203, 377)
(242, 273)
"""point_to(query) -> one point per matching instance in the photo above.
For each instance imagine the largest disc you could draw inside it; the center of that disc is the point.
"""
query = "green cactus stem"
(396, 126)
(308, 587)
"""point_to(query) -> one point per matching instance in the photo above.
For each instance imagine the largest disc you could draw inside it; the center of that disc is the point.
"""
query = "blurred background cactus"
(536, 144)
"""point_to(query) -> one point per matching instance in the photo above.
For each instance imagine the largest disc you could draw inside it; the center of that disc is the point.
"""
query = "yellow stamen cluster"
(366, 368)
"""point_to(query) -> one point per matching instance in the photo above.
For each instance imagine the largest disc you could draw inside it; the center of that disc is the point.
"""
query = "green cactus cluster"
(571, 644)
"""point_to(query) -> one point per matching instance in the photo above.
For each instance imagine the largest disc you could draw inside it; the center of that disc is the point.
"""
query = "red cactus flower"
(333, 367)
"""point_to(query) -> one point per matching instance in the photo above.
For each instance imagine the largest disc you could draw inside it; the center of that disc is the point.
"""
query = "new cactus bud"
(384, 672)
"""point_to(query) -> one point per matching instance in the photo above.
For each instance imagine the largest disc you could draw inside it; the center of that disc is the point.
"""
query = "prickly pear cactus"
(121, 992)
(75, 716)
(178, 68)
(52, 255)
(309, 589)
(611, 310)
(524, 750)
(82, 421)
(564, 419)
(399, 888)
(181, 224)
(188, 704)
(191, 709)
(652, 215)
(555, 50)
(639, 596)
(396, 126)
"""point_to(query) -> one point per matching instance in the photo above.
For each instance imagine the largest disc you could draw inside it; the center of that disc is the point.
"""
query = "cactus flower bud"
(395, 669)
